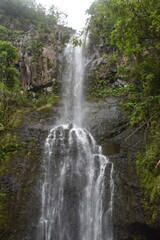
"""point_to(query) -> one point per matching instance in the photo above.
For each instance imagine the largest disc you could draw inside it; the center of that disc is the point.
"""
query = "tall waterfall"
(72, 85)
(77, 182)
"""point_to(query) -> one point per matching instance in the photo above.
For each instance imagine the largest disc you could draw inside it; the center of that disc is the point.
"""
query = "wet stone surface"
(107, 123)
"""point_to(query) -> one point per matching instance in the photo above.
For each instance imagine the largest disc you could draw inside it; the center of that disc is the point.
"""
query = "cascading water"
(72, 85)
(77, 186)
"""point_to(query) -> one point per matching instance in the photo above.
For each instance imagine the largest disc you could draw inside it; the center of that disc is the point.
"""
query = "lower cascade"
(77, 188)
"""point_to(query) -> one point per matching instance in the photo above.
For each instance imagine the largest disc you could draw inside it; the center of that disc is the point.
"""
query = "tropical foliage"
(8, 72)
(22, 14)
(132, 28)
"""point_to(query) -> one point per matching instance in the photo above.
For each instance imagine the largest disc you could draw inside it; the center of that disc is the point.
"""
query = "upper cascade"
(73, 83)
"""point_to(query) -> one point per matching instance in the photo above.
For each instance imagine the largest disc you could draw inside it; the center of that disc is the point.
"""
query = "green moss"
(100, 92)
(149, 173)
(138, 237)
(20, 160)
(43, 101)
(3, 216)
(16, 119)
(8, 147)
(14, 104)
(8, 144)
(17, 153)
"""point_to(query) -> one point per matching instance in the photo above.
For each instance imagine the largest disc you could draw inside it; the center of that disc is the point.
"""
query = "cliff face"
(20, 191)
(40, 67)
(110, 126)
(21, 177)
(26, 123)
(108, 123)
(39, 58)
(102, 76)
(39, 39)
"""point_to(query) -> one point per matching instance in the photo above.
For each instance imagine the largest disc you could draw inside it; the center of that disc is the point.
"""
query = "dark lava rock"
(108, 124)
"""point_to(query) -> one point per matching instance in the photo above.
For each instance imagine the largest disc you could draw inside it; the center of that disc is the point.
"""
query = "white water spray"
(72, 85)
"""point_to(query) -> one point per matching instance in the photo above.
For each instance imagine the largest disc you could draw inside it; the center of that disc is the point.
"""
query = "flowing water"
(77, 182)
(72, 85)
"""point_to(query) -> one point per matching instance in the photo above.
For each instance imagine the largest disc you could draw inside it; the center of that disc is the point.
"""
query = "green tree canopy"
(23, 13)
(8, 72)
(134, 28)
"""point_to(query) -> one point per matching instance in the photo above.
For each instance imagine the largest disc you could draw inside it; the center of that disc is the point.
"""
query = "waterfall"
(72, 85)
(77, 179)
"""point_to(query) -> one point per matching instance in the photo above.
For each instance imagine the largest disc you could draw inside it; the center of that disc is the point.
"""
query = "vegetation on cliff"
(8, 72)
(31, 41)
(21, 14)
(131, 30)
(127, 34)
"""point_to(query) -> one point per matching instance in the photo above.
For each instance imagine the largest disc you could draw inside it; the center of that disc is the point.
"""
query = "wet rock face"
(121, 143)
(107, 123)
(105, 119)
(39, 57)
(40, 73)
(101, 69)
(37, 63)
(20, 179)
(7, 184)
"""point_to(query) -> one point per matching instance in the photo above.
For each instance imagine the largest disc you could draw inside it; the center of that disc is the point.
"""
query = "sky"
(75, 10)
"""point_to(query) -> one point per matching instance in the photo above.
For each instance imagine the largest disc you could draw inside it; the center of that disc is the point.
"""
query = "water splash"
(74, 187)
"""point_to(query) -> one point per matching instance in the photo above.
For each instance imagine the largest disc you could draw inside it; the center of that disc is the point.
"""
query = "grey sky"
(75, 10)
